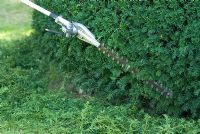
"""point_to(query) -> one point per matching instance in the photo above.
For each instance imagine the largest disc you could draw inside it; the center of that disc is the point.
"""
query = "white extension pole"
(57, 18)
(38, 8)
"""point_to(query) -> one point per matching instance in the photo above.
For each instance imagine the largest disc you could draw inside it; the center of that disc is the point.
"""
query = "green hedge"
(160, 38)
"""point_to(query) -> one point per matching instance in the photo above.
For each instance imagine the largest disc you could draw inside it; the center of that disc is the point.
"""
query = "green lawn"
(15, 20)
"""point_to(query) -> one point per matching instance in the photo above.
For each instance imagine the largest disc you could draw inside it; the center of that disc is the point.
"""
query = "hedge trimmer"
(74, 29)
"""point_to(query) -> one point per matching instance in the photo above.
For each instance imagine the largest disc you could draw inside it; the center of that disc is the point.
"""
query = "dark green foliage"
(160, 38)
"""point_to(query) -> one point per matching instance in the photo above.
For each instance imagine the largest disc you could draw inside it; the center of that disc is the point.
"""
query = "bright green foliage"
(159, 38)
(54, 112)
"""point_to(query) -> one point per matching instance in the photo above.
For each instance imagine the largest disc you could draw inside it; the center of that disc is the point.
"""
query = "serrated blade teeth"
(123, 62)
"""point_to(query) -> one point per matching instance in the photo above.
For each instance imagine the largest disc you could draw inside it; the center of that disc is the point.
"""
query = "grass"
(15, 20)
(27, 106)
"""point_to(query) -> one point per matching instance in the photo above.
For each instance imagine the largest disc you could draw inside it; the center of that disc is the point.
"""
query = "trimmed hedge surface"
(159, 38)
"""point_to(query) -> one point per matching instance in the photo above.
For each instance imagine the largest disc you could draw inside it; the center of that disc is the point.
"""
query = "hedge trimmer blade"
(71, 29)
(124, 63)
